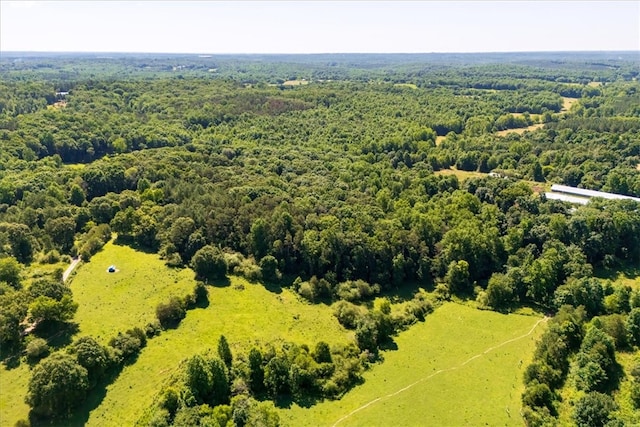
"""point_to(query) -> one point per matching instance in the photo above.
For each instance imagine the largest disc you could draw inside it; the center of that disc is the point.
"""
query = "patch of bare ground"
(567, 103)
(520, 131)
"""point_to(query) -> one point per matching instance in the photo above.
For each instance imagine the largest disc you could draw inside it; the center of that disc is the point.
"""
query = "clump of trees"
(208, 387)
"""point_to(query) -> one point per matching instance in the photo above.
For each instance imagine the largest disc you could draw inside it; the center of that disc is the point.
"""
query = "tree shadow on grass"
(305, 401)
(57, 334)
(628, 270)
(128, 241)
(219, 283)
(96, 395)
(273, 287)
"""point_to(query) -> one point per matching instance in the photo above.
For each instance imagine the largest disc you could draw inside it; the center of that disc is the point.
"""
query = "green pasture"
(114, 302)
(245, 313)
(13, 388)
(462, 366)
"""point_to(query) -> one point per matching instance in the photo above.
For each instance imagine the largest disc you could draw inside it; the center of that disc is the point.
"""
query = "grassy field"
(245, 313)
(461, 175)
(13, 388)
(462, 366)
(520, 131)
(114, 302)
(108, 303)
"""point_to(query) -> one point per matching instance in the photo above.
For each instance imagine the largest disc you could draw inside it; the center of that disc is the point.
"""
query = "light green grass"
(13, 388)
(446, 386)
(114, 302)
(245, 313)
(108, 303)
(460, 174)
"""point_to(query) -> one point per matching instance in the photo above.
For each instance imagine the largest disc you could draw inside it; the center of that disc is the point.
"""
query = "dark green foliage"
(586, 292)
(597, 369)
(538, 395)
(269, 268)
(276, 376)
(46, 309)
(633, 326)
(224, 352)
(198, 378)
(169, 314)
(594, 410)
(499, 291)
(367, 334)
(48, 288)
(13, 310)
(10, 271)
(332, 181)
(37, 349)
(256, 370)
(322, 352)
(209, 263)
(92, 356)
(57, 385)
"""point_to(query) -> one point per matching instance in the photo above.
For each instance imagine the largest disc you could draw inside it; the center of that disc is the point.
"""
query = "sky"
(208, 27)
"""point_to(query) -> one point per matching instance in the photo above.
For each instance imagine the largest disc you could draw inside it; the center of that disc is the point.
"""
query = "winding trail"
(374, 401)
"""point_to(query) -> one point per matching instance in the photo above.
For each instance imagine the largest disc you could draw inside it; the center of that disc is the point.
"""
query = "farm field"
(462, 366)
(245, 313)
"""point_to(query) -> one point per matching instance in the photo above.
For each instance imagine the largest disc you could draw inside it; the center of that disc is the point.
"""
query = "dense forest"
(326, 174)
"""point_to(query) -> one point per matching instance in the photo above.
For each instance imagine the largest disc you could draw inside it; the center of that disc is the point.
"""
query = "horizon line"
(315, 53)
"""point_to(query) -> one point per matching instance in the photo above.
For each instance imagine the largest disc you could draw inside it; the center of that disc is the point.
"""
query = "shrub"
(171, 313)
(37, 349)
(347, 314)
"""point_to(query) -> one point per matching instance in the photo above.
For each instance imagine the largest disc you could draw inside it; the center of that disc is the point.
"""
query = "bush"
(200, 293)
(269, 268)
(209, 263)
(37, 349)
(356, 290)
(347, 314)
(171, 313)
(594, 410)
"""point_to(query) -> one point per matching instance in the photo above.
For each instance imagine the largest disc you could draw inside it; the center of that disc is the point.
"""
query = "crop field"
(245, 313)
(462, 366)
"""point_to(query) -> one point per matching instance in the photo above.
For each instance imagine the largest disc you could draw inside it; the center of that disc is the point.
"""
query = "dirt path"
(69, 269)
(366, 405)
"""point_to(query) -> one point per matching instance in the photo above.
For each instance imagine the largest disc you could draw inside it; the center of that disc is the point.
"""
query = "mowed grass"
(435, 378)
(114, 302)
(245, 313)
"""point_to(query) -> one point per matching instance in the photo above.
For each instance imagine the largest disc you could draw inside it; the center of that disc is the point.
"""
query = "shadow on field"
(81, 414)
(128, 241)
(57, 334)
(219, 283)
(630, 271)
(272, 287)
(285, 402)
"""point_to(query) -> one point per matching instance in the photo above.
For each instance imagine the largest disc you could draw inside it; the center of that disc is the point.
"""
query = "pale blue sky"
(318, 27)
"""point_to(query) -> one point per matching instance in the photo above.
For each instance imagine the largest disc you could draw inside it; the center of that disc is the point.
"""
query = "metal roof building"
(582, 193)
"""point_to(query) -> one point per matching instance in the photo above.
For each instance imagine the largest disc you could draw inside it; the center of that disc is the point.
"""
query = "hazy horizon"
(319, 27)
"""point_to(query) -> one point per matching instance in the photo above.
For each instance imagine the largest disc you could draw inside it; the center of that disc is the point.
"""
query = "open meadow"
(462, 366)
(114, 302)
